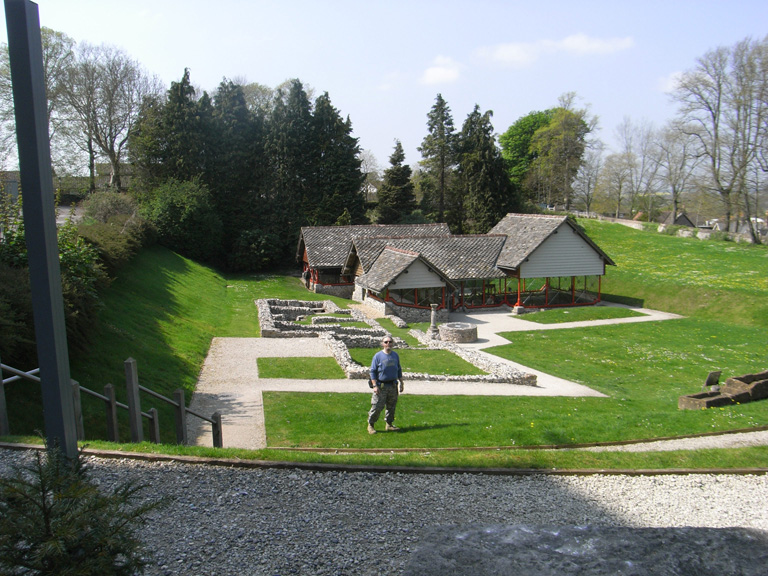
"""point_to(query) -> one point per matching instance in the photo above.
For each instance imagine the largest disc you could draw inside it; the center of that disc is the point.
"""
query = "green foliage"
(82, 275)
(103, 205)
(516, 144)
(254, 250)
(54, 520)
(558, 148)
(186, 219)
(338, 174)
(17, 334)
(438, 151)
(396, 196)
(272, 164)
(487, 192)
(112, 224)
(118, 239)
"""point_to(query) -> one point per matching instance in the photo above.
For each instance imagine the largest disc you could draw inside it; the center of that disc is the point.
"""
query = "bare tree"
(614, 182)
(585, 184)
(121, 87)
(677, 163)
(723, 102)
(373, 175)
(58, 54)
(81, 94)
(638, 146)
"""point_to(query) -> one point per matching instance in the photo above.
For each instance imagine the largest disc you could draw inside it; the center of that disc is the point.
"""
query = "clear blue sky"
(383, 63)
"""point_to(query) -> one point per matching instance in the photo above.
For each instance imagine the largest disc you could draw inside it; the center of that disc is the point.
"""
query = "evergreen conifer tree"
(438, 160)
(396, 195)
(487, 191)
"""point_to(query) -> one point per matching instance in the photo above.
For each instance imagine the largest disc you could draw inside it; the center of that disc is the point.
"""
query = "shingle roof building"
(527, 232)
(409, 265)
(327, 246)
(457, 257)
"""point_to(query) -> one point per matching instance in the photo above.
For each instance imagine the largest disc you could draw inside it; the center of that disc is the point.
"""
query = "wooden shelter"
(526, 260)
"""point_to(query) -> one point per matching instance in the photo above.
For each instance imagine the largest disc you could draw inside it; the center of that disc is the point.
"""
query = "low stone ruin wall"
(736, 390)
(340, 338)
(342, 291)
(498, 370)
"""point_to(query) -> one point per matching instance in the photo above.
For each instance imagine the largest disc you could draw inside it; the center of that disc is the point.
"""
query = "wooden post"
(5, 428)
(181, 417)
(154, 426)
(78, 408)
(218, 439)
(134, 402)
(113, 433)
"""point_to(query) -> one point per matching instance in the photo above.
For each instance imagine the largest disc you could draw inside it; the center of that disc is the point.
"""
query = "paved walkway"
(229, 381)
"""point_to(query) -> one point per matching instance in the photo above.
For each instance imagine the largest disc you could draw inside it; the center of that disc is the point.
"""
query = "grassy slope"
(164, 309)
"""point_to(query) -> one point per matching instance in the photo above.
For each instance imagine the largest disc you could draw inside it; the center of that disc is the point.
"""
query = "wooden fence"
(111, 405)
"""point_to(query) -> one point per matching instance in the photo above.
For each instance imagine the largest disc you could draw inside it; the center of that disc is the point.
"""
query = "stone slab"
(523, 550)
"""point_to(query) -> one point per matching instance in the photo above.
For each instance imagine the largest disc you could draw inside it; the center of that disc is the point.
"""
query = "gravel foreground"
(236, 521)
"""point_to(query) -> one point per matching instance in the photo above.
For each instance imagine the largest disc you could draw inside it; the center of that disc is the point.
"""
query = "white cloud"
(444, 71)
(669, 82)
(521, 54)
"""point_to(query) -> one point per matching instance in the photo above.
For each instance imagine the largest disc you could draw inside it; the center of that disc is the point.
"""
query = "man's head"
(386, 342)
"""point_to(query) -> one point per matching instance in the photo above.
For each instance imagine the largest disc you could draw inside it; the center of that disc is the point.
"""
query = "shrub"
(82, 275)
(54, 520)
(103, 205)
(118, 239)
(185, 218)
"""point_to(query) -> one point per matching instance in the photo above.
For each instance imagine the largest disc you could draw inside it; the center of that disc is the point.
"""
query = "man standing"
(385, 373)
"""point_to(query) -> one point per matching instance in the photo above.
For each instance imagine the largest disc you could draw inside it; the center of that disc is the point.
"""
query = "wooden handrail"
(133, 407)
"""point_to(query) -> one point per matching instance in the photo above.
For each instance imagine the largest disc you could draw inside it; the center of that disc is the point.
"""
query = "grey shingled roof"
(526, 232)
(390, 264)
(457, 257)
(328, 246)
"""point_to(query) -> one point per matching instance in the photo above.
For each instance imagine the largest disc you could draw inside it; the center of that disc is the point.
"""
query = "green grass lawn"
(300, 368)
(163, 311)
(438, 362)
(578, 314)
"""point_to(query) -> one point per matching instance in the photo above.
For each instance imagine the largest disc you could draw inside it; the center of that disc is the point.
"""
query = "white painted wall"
(417, 276)
(563, 254)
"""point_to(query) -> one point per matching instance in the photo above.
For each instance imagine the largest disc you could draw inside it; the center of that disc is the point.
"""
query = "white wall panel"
(417, 276)
(563, 254)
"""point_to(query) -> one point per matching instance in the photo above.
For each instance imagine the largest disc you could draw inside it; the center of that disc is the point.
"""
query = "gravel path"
(233, 521)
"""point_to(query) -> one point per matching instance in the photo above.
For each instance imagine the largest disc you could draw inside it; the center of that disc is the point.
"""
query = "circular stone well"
(457, 332)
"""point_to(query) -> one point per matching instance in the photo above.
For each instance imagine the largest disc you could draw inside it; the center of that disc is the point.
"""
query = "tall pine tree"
(337, 174)
(487, 191)
(438, 160)
(396, 195)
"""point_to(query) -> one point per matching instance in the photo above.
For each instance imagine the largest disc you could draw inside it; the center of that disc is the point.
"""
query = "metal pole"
(26, 59)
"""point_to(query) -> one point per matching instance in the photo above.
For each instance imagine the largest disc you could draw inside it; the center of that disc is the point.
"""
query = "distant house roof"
(669, 219)
(456, 257)
(328, 246)
(526, 232)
